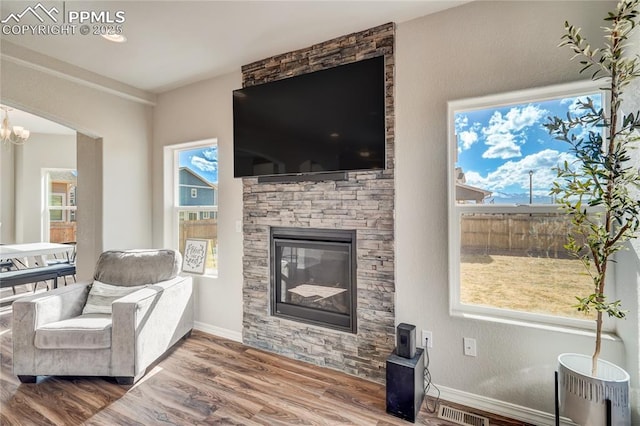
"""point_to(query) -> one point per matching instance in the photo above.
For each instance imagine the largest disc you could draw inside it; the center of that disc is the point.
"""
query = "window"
(506, 234)
(60, 195)
(56, 202)
(194, 186)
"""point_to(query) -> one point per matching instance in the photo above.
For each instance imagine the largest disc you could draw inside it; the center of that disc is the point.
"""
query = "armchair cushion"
(102, 295)
(135, 267)
(92, 331)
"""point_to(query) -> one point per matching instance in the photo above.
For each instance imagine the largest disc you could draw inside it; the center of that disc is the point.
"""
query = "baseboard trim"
(236, 336)
(498, 407)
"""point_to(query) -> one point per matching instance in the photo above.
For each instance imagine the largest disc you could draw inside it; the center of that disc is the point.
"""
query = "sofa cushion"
(102, 295)
(91, 331)
(135, 267)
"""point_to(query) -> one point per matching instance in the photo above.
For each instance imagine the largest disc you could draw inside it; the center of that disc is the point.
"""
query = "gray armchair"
(69, 330)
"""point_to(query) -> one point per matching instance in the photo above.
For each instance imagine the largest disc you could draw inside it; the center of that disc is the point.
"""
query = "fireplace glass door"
(313, 278)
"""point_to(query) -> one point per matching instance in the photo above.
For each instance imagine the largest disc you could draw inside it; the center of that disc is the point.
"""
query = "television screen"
(325, 121)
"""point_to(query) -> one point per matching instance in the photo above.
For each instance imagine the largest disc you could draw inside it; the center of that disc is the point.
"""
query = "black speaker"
(406, 340)
(405, 385)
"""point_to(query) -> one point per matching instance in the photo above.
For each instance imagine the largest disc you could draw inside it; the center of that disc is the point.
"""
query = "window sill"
(607, 335)
(213, 275)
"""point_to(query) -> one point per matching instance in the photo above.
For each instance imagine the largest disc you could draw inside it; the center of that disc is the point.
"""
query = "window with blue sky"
(507, 151)
(506, 234)
(196, 197)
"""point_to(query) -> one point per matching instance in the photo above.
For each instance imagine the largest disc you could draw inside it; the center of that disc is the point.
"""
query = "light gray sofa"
(52, 336)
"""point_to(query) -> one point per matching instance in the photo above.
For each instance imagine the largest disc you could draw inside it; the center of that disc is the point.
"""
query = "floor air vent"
(461, 417)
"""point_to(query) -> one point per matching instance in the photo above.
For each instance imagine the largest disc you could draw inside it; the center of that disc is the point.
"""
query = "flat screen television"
(331, 120)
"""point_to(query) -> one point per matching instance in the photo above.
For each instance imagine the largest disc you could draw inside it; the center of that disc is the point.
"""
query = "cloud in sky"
(467, 135)
(203, 164)
(206, 161)
(504, 135)
(211, 154)
(502, 145)
(514, 175)
(462, 121)
(467, 138)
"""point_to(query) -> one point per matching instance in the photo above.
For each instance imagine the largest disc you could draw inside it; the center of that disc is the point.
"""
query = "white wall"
(193, 113)
(40, 152)
(7, 195)
(477, 49)
(125, 127)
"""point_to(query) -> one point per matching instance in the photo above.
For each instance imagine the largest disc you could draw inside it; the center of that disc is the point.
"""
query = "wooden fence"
(539, 235)
(62, 232)
(202, 229)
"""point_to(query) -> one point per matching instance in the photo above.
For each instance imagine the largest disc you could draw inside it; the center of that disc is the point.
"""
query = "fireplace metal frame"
(342, 322)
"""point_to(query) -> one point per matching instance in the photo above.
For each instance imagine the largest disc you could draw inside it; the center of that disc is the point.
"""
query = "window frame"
(68, 208)
(455, 210)
(172, 196)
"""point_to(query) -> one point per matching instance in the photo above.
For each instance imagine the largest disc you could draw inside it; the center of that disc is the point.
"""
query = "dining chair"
(69, 257)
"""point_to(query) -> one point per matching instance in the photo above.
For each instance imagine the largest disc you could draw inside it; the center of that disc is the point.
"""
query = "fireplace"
(313, 276)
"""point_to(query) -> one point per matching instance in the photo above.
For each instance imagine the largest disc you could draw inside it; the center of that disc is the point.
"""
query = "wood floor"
(203, 380)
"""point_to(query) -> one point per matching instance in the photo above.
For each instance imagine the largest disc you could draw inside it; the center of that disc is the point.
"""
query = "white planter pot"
(583, 397)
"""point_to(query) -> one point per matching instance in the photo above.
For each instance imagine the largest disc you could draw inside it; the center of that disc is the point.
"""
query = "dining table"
(35, 254)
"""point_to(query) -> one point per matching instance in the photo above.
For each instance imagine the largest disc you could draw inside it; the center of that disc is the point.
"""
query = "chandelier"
(17, 135)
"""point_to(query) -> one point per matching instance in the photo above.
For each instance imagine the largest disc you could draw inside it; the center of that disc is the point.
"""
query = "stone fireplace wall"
(364, 202)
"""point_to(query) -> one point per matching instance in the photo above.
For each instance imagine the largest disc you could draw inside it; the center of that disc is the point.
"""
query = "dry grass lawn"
(531, 284)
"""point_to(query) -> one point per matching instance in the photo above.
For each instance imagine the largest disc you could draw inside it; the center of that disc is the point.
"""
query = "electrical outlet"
(469, 346)
(427, 337)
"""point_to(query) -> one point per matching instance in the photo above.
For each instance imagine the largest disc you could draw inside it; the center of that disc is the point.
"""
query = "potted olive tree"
(597, 192)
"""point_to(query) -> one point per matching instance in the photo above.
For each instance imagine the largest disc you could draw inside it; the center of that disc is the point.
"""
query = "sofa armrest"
(31, 312)
(149, 321)
(51, 306)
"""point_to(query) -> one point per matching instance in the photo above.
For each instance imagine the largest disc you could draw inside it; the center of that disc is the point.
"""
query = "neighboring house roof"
(466, 192)
(197, 176)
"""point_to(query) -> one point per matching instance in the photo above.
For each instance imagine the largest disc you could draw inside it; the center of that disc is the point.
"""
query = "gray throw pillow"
(102, 295)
